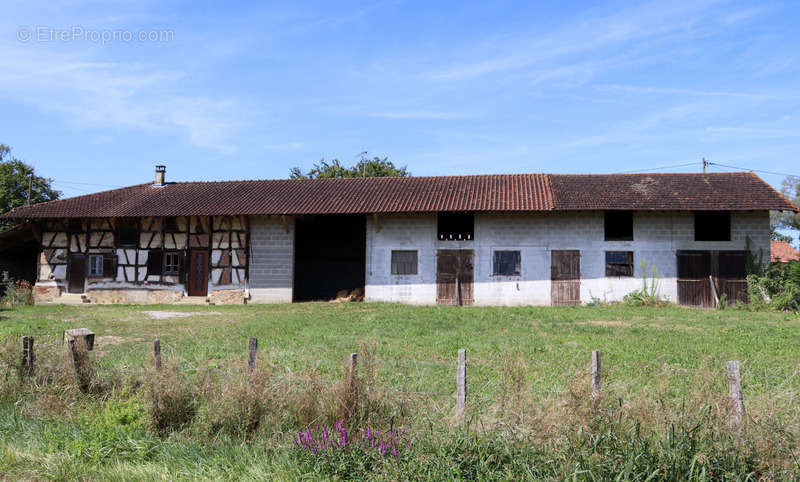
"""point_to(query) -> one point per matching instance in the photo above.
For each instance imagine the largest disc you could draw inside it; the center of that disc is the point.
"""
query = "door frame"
(461, 255)
(574, 282)
(190, 272)
(85, 271)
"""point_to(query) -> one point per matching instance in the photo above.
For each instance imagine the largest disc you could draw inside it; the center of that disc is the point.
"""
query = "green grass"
(416, 348)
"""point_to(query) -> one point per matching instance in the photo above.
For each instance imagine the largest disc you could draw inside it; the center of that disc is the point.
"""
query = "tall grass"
(190, 422)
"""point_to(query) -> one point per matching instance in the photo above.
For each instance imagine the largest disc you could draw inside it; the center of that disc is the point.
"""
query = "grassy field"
(413, 354)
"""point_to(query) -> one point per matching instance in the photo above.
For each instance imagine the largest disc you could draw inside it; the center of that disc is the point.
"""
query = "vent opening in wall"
(456, 226)
(404, 262)
(712, 226)
(618, 225)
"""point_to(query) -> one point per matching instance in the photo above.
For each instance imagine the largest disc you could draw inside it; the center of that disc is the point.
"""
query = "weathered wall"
(135, 279)
(657, 237)
(271, 254)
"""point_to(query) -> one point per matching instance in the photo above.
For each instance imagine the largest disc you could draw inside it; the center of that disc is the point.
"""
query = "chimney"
(161, 172)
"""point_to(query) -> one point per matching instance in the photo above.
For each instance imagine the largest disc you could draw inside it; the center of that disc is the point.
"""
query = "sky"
(94, 94)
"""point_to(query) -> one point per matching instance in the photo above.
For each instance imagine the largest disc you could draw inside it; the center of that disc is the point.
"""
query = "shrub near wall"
(777, 287)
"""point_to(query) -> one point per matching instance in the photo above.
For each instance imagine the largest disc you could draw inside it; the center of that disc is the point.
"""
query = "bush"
(778, 287)
(16, 293)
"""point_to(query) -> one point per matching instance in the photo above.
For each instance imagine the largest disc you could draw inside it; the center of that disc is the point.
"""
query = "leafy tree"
(788, 220)
(375, 167)
(776, 236)
(14, 178)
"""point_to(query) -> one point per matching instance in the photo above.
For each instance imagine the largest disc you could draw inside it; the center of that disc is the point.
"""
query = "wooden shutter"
(155, 262)
(109, 265)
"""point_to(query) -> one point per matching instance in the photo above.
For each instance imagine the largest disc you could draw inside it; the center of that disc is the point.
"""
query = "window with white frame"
(507, 263)
(95, 265)
(404, 262)
(172, 262)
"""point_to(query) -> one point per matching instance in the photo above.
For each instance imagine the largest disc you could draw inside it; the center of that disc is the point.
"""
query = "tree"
(15, 177)
(776, 236)
(375, 167)
(788, 220)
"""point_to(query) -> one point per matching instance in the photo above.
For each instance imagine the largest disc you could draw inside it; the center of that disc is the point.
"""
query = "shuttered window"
(404, 262)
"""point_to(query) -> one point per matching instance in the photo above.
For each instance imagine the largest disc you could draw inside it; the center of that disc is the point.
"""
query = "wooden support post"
(375, 220)
(27, 355)
(352, 386)
(596, 372)
(714, 290)
(285, 225)
(79, 352)
(157, 353)
(252, 349)
(461, 384)
(735, 386)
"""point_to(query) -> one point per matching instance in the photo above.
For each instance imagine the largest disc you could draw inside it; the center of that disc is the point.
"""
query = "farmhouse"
(537, 239)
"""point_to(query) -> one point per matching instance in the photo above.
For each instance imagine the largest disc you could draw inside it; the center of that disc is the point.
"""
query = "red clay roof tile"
(513, 192)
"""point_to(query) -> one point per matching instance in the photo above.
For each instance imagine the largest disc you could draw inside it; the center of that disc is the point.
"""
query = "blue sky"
(249, 90)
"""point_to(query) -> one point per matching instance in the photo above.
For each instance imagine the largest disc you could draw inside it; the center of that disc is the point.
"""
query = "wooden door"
(76, 273)
(198, 273)
(694, 278)
(732, 275)
(455, 277)
(565, 277)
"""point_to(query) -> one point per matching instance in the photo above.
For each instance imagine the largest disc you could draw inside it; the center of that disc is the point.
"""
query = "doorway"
(455, 275)
(565, 277)
(76, 269)
(198, 273)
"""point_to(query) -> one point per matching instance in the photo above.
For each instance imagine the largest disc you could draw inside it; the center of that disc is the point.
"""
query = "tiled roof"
(728, 191)
(512, 192)
(782, 252)
(521, 192)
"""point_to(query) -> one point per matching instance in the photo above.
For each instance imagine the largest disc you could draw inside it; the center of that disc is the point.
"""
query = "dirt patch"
(604, 323)
(160, 315)
(108, 340)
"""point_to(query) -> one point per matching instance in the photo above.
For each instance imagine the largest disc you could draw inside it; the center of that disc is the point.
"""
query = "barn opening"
(329, 256)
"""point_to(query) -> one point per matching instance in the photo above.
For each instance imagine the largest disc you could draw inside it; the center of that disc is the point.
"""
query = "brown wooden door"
(455, 274)
(694, 278)
(565, 277)
(76, 273)
(198, 273)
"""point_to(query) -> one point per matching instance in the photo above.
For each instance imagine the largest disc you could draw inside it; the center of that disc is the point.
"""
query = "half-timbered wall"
(141, 264)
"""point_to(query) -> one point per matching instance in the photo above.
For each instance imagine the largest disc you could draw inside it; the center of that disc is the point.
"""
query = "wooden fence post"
(597, 355)
(157, 353)
(80, 362)
(352, 386)
(252, 350)
(735, 386)
(461, 384)
(27, 355)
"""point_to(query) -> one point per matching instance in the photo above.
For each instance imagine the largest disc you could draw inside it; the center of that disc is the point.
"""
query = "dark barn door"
(565, 277)
(198, 273)
(77, 273)
(455, 275)
(732, 276)
(694, 278)
(329, 256)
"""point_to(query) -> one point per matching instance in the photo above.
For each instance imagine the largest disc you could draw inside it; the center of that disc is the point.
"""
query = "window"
(619, 263)
(155, 262)
(507, 263)
(712, 226)
(127, 233)
(171, 225)
(172, 262)
(96, 265)
(619, 225)
(456, 226)
(404, 262)
(102, 265)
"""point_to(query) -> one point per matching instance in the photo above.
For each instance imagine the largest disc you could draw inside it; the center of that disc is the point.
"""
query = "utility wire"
(754, 170)
(659, 168)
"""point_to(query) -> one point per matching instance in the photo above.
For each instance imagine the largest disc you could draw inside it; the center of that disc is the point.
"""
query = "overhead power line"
(659, 168)
(754, 170)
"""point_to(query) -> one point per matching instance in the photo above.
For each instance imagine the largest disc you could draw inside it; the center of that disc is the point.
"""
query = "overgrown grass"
(663, 412)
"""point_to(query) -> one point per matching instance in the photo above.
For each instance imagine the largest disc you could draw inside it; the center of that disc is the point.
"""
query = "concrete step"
(193, 300)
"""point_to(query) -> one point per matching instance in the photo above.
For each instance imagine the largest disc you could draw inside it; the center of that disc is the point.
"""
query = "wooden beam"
(375, 220)
(285, 224)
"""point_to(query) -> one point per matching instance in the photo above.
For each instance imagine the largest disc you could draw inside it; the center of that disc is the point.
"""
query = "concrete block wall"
(271, 260)
(657, 237)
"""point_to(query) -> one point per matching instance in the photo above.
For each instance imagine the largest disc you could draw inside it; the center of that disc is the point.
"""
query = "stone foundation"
(226, 297)
(46, 294)
(134, 296)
